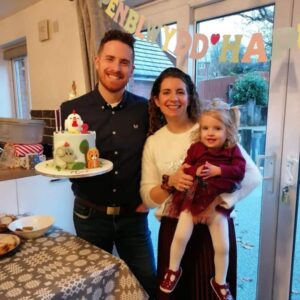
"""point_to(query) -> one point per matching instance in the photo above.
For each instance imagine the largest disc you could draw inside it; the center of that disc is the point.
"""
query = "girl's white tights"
(218, 229)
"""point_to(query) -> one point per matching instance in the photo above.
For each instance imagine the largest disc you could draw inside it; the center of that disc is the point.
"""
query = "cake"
(75, 147)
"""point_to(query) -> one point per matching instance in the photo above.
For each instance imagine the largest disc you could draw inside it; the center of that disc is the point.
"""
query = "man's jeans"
(131, 237)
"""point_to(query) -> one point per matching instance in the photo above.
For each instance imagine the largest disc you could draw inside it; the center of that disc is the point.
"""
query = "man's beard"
(112, 88)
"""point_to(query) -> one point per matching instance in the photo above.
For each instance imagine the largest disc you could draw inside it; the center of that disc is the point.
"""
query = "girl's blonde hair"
(229, 116)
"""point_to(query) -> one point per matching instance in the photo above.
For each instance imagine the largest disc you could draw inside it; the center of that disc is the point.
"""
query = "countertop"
(8, 174)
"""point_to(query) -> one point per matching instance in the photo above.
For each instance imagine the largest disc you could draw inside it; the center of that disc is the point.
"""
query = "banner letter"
(168, 36)
(132, 21)
(234, 47)
(184, 41)
(110, 9)
(255, 47)
(283, 39)
(197, 38)
(122, 12)
(139, 28)
(152, 33)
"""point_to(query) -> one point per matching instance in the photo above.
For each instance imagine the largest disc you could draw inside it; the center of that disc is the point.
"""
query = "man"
(107, 209)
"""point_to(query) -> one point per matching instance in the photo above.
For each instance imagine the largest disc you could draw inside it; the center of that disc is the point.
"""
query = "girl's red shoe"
(226, 295)
(170, 280)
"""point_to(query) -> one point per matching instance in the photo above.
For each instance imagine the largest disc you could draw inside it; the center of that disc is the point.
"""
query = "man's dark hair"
(117, 35)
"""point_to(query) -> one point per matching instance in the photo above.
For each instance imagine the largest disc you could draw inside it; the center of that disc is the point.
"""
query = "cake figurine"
(73, 123)
(71, 146)
(93, 160)
(64, 156)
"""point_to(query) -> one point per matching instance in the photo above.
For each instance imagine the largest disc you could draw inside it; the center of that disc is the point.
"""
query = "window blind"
(15, 51)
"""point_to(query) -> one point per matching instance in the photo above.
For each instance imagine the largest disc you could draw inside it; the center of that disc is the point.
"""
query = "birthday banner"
(132, 22)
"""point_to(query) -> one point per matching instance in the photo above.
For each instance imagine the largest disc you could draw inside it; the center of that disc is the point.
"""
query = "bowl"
(5, 220)
(31, 227)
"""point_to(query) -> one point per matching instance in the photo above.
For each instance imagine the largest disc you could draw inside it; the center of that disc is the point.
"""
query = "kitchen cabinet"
(47, 196)
(8, 197)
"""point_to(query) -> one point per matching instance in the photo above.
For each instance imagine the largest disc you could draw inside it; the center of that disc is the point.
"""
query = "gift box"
(23, 149)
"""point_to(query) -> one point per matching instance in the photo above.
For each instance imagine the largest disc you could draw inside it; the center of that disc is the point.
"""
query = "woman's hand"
(209, 213)
(180, 180)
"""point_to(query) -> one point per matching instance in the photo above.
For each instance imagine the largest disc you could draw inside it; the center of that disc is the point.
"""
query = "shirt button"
(113, 112)
(114, 190)
(116, 152)
(114, 133)
(102, 107)
(116, 172)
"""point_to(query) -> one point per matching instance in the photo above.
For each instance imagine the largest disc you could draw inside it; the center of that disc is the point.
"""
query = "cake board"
(47, 168)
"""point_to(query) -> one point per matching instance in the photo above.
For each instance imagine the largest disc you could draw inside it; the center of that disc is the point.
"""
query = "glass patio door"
(265, 220)
(287, 260)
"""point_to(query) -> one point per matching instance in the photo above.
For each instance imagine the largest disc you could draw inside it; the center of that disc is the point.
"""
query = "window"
(150, 61)
(19, 100)
(21, 95)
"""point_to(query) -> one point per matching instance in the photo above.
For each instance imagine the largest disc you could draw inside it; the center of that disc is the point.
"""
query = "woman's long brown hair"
(157, 119)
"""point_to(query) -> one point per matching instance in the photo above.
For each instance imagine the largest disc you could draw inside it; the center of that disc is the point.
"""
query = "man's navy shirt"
(120, 135)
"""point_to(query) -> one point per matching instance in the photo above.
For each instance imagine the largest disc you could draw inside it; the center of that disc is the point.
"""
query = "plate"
(8, 243)
(46, 168)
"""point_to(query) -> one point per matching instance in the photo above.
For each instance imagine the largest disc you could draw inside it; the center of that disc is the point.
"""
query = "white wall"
(55, 63)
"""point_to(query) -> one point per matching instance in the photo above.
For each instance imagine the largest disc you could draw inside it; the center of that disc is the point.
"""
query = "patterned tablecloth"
(62, 266)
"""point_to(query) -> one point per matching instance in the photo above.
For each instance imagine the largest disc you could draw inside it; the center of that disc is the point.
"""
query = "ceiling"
(10, 7)
(135, 3)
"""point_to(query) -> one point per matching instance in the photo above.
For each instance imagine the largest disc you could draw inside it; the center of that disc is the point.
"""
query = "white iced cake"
(75, 148)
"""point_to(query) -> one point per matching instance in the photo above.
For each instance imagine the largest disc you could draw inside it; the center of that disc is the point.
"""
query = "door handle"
(269, 168)
(290, 178)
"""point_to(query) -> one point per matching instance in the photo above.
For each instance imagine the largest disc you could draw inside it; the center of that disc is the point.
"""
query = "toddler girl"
(218, 167)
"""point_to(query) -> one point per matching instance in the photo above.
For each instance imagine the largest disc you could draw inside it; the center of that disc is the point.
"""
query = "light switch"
(43, 27)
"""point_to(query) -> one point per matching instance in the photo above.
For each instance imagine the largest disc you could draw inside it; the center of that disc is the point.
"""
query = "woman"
(174, 110)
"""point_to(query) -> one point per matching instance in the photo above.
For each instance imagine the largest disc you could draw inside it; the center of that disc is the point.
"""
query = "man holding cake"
(107, 209)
